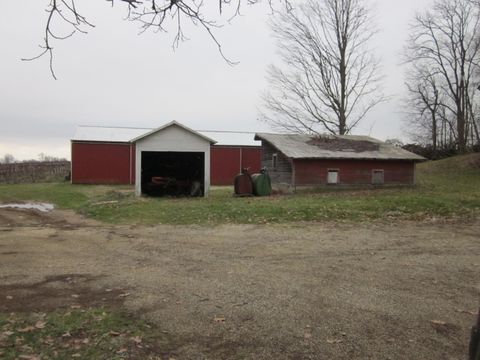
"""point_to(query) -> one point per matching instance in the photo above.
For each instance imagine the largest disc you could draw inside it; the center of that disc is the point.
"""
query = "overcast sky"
(114, 77)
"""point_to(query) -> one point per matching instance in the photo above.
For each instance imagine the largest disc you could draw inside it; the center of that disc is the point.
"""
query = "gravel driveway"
(301, 291)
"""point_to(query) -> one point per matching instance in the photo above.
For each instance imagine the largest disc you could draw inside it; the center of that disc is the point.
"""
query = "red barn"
(295, 160)
(106, 155)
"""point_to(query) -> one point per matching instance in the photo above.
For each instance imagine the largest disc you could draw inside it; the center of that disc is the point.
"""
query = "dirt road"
(306, 291)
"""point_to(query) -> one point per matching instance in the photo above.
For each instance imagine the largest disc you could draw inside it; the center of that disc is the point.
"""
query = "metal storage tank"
(243, 184)
(262, 185)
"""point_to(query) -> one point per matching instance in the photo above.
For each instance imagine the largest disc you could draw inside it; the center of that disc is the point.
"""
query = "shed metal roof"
(127, 134)
(300, 146)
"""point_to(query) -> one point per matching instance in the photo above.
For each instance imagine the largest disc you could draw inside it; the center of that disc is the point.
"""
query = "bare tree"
(153, 15)
(329, 77)
(476, 3)
(42, 157)
(445, 41)
(7, 159)
(425, 104)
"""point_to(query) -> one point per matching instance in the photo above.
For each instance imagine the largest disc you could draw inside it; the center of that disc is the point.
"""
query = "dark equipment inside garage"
(173, 173)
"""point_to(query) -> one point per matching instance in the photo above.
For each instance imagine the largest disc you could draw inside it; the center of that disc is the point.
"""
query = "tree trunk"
(462, 143)
(434, 132)
(342, 120)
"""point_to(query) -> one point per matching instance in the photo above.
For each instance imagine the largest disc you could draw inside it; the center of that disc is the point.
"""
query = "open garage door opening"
(173, 173)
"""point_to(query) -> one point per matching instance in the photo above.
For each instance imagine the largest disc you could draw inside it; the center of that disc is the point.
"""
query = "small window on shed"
(332, 177)
(274, 162)
(377, 177)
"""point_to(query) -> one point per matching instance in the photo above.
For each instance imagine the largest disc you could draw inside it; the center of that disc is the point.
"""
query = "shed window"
(332, 177)
(274, 162)
(377, 177)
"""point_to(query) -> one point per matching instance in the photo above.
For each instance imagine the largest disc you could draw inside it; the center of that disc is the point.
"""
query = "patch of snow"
(43, 207)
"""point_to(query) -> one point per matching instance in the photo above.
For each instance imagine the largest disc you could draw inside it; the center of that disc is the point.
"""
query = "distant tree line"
(45, 168)
(10, 159)
(428, 151)
(34, 171)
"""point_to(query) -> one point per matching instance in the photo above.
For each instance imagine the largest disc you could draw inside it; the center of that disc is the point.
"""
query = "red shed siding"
(102, 163)
(355, 172)
(227, 161)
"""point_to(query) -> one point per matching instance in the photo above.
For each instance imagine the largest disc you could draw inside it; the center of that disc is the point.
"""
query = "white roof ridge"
(167, 125)
(228, 131)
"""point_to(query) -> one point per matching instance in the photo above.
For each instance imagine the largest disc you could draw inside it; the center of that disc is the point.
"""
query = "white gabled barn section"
(172, 138)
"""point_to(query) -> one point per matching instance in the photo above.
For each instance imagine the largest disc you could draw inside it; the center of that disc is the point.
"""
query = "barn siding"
(252, 158)
(108, 163)
(228, 161)
(283, 173)
(102, 163)
(310, 172)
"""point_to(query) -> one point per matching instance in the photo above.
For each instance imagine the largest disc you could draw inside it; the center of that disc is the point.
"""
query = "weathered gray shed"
(305, 160)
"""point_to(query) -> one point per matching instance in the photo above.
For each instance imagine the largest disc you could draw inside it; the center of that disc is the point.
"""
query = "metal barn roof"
(173, 123)
(107, 134)
(240, 138)
(127, 134)
(299, 146)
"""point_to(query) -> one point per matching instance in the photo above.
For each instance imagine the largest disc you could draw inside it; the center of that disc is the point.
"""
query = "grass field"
(445, 188)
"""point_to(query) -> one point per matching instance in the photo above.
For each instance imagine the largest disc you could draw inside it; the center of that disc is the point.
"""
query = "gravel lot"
(304, 291)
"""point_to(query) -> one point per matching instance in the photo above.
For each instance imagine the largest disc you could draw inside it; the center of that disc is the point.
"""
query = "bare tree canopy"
(329, 77)
(7, 159)
(425, 114)
(153, 15)
(445, 44)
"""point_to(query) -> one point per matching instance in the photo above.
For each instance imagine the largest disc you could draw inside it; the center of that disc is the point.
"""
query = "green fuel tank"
(262, 185)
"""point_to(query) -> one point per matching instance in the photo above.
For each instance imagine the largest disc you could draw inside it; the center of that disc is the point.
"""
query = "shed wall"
(353, 172)
(283, 172)
(103, 163)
